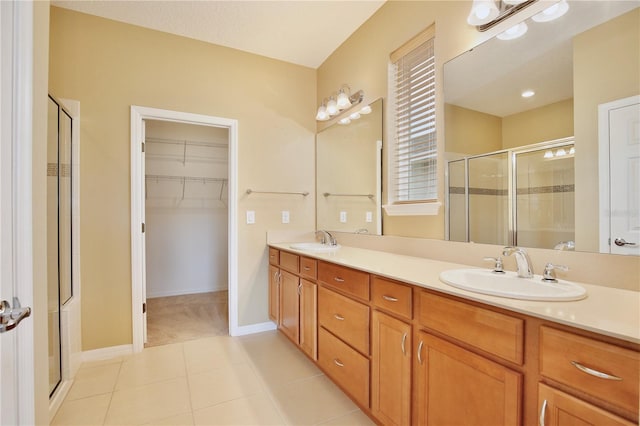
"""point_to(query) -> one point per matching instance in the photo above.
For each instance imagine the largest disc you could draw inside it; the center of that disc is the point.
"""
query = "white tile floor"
(253, 380)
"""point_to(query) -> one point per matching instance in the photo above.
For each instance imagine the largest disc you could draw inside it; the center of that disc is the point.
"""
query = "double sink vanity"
(409, 348)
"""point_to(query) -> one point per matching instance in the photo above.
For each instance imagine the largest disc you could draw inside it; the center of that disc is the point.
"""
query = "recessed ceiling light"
(528, 93)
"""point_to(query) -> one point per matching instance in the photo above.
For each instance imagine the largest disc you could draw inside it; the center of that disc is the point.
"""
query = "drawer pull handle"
(543, 411)
(389, 298)
(338, 317)
(299, 289)
(420, 352)
(338, 279)
(404, 339)
(337, 362)
(306, 268)
(593, 372)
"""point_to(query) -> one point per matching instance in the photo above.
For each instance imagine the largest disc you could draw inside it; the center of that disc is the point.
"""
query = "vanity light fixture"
(561, 152)
(528, 93)
(552, 12)
(548, 154)
(518, 30)
(337, 105)
(485, 14)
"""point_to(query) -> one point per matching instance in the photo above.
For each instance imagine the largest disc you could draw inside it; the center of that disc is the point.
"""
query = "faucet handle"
(549, 275)
(497, 267)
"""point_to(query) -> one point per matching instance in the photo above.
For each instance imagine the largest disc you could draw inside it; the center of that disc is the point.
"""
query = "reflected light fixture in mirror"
(552, 12)
(339, 104)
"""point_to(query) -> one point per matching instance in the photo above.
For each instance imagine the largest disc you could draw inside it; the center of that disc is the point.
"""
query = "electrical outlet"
(285, 216)
(343, 217)
(251, 217)
(369, 217)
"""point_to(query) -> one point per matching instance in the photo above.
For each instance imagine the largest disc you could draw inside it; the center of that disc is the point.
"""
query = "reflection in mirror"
(348, 174)
(588, 57)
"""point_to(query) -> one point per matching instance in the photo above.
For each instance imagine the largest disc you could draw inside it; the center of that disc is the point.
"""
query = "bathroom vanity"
(409, 349)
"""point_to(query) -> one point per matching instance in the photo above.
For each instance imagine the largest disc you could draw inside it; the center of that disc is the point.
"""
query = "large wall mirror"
(525, 170)
(348, 173)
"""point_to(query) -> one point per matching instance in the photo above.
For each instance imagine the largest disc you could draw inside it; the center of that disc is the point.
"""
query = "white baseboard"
(252, 329)
(107, 353)
(182, 292)
(58, 397)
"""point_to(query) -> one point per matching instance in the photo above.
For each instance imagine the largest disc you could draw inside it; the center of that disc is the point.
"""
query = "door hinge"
(144, 307)
(143, 227)
(142, 146)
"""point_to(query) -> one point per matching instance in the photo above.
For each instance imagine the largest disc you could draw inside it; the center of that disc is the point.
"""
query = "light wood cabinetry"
(457, 387)
(308, 318)
(560, 409)
(409, 355)
(391, 351)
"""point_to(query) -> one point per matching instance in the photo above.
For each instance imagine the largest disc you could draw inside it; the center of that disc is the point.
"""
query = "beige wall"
(108, 67)
(39, 316)
(525, 129)
(471, 132)
(605, 69)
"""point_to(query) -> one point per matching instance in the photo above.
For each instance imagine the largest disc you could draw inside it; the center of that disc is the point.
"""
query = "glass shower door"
(489, 199)
(545, 208)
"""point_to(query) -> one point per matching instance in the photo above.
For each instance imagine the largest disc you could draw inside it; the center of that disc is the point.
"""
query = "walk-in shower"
(523, 196)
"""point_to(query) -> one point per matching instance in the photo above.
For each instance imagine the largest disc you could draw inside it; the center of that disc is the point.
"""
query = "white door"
(624, 149)
(144, 238)
(16, 254)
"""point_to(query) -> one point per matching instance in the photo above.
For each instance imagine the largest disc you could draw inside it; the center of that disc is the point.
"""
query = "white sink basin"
(314, 247)
(509, 285)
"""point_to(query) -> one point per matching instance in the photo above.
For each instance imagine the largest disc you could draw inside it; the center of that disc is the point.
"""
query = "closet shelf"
(184, 180)
(186, 142)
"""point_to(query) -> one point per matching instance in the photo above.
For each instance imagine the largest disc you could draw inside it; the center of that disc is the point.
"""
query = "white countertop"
(608, 311)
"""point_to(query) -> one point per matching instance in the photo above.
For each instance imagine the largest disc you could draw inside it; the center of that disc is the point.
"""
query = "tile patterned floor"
(260, 379)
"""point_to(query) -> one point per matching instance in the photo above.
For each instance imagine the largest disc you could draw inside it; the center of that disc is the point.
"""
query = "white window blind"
(413, 81)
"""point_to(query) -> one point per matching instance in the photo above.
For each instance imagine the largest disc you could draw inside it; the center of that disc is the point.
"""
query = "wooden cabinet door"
(560, 409)
(290, 305)
(274, 294)
(390, 370)
(458, 387)
(309, 318)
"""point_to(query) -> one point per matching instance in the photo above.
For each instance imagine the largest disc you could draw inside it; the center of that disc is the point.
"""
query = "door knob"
(11, 317)
(620, 242)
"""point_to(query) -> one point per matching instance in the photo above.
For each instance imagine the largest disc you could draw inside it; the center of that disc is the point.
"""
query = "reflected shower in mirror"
(348, 174)
(588, 57)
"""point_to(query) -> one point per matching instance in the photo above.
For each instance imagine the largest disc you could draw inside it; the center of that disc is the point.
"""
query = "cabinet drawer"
(345, 318)
(348, 280)
(289, 261)
(344, 365)
(308, 268)
(490, 331)
(564, 357)
(274, 256)
(391, 296)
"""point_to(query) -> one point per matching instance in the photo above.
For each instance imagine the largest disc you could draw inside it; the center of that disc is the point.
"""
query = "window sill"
(417, 209)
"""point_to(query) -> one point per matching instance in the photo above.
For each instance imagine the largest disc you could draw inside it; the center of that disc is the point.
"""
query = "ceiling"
(303, 32)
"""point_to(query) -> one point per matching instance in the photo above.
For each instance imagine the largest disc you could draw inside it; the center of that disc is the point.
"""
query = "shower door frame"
(512, 153)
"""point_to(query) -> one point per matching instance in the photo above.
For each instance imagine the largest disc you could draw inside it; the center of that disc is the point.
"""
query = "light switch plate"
(251, 217)
(369, 217)
(343, 217)
(285, 216)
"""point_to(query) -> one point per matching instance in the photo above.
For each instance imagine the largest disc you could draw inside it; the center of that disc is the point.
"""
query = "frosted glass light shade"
(513, 2)
(482, 12)
(514, 32)
(552, 12)
(332, 107)
(322, 114)
(343, 101)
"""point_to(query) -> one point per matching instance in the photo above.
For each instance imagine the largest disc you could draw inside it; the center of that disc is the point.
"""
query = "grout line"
(106, 413)
(186, 369)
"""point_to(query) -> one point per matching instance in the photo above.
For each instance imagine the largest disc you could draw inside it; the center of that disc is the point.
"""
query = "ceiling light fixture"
(339, 104)
(552, 12)
(485, 14)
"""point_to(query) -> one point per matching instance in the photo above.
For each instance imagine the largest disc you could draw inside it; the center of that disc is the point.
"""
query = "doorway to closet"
(186, 231)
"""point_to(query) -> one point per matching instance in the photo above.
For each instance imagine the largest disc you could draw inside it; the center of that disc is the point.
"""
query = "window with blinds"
(413, 94)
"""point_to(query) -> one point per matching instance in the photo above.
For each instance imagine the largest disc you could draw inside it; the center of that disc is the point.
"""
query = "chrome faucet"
(327, 238)
(525, 270)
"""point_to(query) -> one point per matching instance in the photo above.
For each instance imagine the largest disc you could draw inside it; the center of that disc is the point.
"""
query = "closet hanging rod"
(187, 142)
(327, 194)
(186, 178)
(251, 191)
